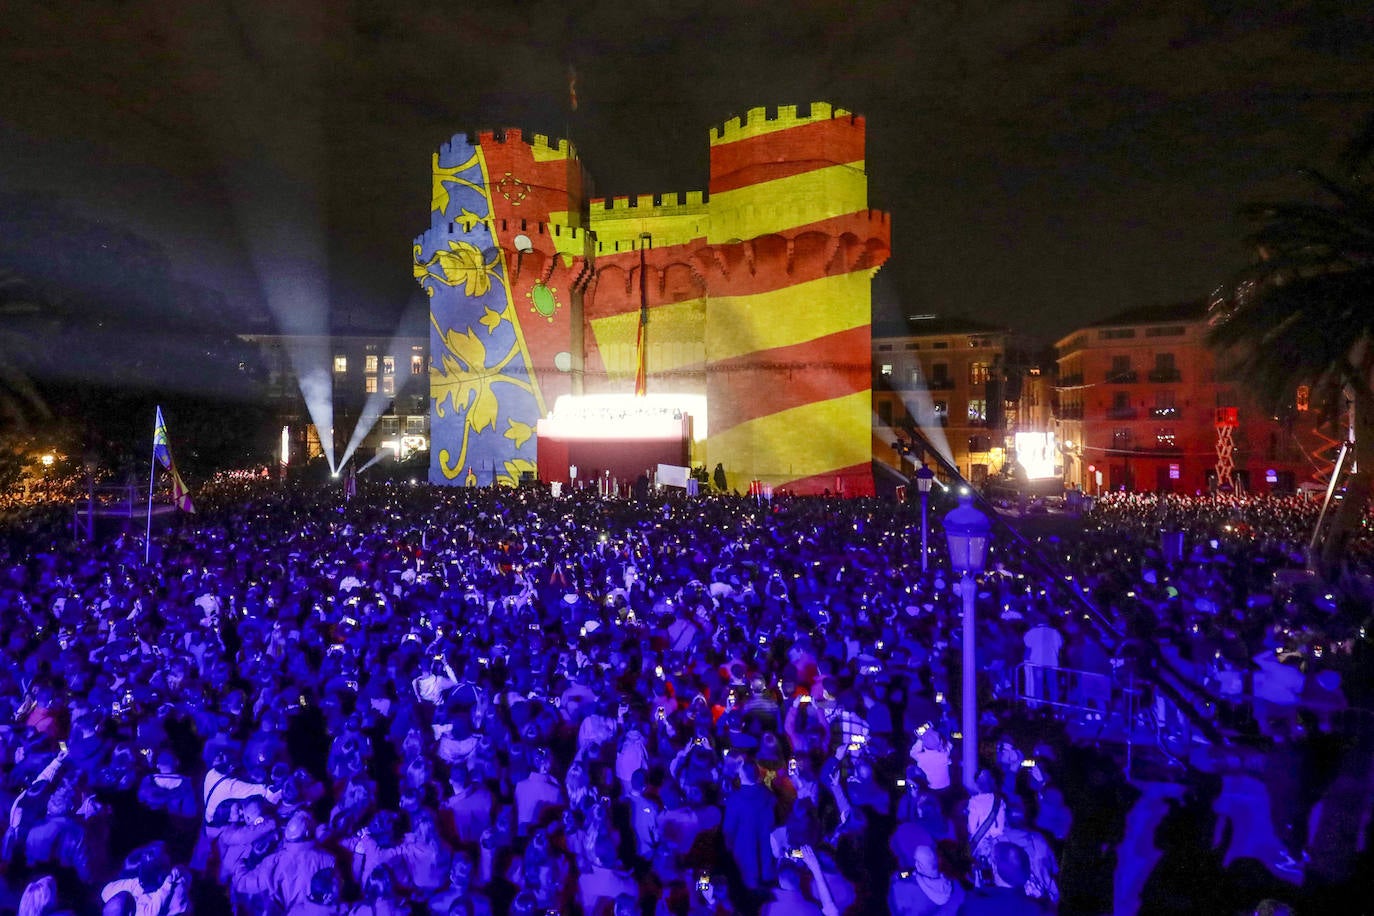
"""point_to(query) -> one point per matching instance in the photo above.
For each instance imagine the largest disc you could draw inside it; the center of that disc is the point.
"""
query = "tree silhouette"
(1303, 312)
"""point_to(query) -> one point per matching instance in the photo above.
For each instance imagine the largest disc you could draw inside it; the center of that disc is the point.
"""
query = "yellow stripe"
(674, 323)
(786, 119)
(737, 325)
(751, 211)
(800, 442)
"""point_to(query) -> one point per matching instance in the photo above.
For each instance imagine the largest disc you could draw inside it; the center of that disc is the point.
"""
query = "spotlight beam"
(412, 320)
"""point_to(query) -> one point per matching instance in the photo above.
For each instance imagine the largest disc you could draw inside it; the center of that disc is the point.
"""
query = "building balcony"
(1070, 412)
(1071, 381)
(1165, 413)
(1166, 375)
(1122, 413)
(1128, 450)
(940, 384)
(1129, 377)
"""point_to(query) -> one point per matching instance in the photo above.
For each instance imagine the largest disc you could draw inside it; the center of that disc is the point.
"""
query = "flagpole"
(152, 475)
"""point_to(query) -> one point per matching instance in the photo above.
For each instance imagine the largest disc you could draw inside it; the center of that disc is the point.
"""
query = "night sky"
(1045, 163)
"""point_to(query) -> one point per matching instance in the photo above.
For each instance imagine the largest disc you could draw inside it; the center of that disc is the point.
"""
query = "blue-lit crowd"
(454, 702)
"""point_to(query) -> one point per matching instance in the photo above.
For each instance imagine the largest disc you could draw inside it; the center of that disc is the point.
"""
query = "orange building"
(1142, 407)
(957, 380)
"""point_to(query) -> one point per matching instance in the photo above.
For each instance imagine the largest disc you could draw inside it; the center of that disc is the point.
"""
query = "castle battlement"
(757, 121)
(542, 145)
(437, 234)
(668, 203)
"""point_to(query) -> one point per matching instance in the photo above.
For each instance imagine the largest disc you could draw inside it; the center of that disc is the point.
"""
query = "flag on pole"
(572, 88)
(162, 448)
(641, 359)
(642, 336)
(162, 451)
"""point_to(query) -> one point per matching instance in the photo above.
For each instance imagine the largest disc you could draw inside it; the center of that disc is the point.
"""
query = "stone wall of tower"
(758, 296)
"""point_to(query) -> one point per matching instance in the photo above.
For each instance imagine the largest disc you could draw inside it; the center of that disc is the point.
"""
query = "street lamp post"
(924, 477)
(967, 531)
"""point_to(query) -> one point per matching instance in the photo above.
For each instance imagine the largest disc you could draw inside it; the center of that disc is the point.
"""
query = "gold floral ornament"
(420, 268)
(514, 470)
(491, 319)
(518, 432)
(443, 177)
(463, 381)
(463, 264)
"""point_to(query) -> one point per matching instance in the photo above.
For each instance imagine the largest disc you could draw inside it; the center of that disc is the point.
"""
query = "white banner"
(670, 475)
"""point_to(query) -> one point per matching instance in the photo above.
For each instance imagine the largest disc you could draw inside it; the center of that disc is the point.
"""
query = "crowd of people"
(452, 701)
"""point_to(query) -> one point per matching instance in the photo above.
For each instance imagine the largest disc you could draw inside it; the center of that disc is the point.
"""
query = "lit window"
(388, 384)
(388, 365)
(341, 364)
(391, 426)
(415, 425)
(977, 373)
(1164, 438)
(1304, 398)
(887, 370)
(370, 384)
(417, 364)
(370, 363)
(977, 410)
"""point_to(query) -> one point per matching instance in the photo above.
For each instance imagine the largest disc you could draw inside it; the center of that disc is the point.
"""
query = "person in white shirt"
(932, 754)
(1043, 643)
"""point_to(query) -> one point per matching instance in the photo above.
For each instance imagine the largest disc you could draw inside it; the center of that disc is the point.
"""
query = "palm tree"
(1303, 313)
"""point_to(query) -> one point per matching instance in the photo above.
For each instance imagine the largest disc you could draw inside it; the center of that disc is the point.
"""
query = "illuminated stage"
(622, 435)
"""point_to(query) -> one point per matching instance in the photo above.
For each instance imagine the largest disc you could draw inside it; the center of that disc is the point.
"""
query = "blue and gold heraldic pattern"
(483, 401)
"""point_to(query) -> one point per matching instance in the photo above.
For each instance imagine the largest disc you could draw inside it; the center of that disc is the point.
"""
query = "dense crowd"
(496, 701)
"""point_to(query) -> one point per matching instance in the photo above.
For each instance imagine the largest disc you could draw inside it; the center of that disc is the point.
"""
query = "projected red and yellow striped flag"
(759, 297)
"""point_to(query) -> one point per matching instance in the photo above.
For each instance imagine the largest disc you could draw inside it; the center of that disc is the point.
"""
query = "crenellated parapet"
(758, 121)
(541, 147)
(763, 274)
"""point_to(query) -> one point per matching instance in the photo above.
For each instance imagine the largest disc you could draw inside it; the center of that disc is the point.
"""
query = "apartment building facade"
(1142, 406)
(950, 378)
(391, 375)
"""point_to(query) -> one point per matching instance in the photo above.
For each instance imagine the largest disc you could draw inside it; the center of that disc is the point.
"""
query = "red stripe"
(858, 481)
(764, 382)
(813, 256)
(783, 153)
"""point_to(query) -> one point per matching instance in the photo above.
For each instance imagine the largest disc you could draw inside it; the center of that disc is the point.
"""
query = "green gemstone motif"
(541, 297)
